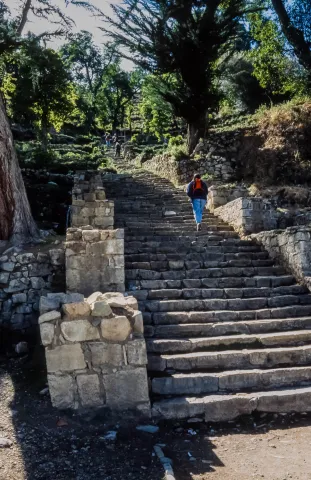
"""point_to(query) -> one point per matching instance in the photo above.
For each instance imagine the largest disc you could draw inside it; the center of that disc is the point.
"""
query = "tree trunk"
(294, 36)
(16, 222)
(195, 130)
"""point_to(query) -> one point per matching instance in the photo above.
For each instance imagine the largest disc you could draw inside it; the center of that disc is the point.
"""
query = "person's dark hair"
(196, 176)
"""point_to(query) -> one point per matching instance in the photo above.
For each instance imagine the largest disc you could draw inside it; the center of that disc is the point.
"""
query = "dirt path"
(270, 447)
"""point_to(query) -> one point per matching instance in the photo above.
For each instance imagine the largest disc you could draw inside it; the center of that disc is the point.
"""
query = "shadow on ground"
(48, 445)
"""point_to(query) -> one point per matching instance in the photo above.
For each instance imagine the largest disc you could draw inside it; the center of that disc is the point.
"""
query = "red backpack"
(198, 187)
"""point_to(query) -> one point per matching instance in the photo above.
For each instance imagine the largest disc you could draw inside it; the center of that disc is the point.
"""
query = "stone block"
(65, 358)
(57, 256)
(79, 331)
(136, 352)
(104, 222)
(91, 235)
(39, 269)
(122, 302)
(94, 297)
(7, 266)
(101, 309)
(4, 277)
(62, 391)
(126, 388)
(138, 322)
(89, 391)
(106, 354)
(47, 331)
(25, 258)
(19, 298)
(37, 283)
(116, 329)
(77, 310)
(48, 304)
(66, 297)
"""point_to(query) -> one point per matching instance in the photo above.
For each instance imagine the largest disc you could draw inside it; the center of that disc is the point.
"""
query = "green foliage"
(183, 44)
(43, 94)
(175, 141)
(156, 113)
(179, 152)
(275, 70)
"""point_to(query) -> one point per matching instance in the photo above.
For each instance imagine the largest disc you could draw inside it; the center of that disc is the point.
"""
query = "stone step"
(138, 287)
(181, 243)
(234, 380)
(232, 359)
(228, 342)
(206, 305)
(193, 256)
(182, 230)
(219, 408)
(227, 328)
(197, 293)
(206, 317)
(199, 273)
(180, 264)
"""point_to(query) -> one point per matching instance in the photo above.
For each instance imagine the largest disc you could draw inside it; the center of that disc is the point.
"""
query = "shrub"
(175, 141)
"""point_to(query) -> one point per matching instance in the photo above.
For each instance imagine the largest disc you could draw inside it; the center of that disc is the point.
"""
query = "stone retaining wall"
(24, 277)
(248, 215)
(216, 157)
(291, 248)
(95, 352)
(221, 195)
(94, 260)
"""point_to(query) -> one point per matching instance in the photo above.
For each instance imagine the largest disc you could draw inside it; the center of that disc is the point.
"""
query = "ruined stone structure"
(89, 203)
(94, 260)
(95, 352)
(248, 215)
(24, 277)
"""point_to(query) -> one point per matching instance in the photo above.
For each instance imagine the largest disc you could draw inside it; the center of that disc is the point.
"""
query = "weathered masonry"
(95, 348)
(95, 352)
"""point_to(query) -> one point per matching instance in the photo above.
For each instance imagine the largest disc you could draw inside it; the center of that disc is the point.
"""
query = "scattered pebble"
(5, 442)
(148, 428)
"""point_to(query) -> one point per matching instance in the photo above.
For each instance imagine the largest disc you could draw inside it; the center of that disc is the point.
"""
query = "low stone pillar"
(95, 352)
(94, 260)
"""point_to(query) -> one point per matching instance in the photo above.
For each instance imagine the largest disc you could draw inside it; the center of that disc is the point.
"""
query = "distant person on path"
(117, 149)
(108, 139)
(197, 192)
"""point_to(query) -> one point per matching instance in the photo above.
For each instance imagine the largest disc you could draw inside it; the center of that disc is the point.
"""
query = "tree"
(43, 90)
(16, 222)
(157, 114)
(88, 65)
(186, 40)
(118, 90)
(275, 69)
(298, 35)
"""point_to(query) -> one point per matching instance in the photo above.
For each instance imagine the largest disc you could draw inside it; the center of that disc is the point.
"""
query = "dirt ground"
(49, 446)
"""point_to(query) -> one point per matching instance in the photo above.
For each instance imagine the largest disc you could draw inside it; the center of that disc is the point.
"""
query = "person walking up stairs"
(197, 192)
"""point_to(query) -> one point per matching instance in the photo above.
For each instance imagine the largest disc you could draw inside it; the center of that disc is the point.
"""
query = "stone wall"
(94, 260)
(24, 277)
(89, 203)
(221, 195)
(216, 157)
(291, 248)
(248, 215)
(95, 352)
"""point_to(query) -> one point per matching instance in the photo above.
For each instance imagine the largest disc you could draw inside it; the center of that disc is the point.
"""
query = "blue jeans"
(198, 205)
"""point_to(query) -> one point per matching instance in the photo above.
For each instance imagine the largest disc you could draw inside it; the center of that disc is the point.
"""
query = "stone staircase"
(227, 331)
